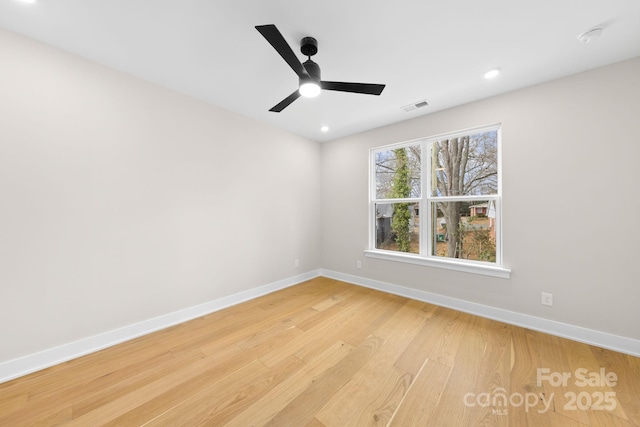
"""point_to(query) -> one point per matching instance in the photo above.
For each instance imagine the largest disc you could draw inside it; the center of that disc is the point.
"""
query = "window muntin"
(454, 181)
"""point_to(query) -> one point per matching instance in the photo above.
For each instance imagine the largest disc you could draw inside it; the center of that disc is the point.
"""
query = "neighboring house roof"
(386, 210)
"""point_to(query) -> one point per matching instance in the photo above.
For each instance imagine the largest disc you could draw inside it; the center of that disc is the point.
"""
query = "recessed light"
(492, 73)
(324, 128)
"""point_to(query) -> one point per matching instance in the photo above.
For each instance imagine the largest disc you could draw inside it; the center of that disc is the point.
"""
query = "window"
(437, 202)
(397, 194)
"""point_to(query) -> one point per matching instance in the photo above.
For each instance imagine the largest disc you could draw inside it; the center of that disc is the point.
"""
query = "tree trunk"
(454, 155)
(452, 218)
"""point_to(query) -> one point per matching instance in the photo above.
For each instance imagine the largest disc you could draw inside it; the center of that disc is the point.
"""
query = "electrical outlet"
(547, 299)
(296, 263)
(358, 263)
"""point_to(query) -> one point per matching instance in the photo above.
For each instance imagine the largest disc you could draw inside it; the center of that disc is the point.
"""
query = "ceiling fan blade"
(285, 102)
(366, 88)
(273, 36)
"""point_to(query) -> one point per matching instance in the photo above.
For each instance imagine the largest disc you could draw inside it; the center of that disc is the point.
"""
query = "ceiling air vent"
(415, 106)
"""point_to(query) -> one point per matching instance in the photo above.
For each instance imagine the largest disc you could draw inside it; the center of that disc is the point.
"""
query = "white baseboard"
(576, 333)
(34, 362)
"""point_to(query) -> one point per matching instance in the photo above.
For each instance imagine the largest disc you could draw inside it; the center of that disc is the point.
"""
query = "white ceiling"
(421, 49)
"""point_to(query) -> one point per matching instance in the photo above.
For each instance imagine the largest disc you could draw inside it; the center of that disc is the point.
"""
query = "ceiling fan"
(308, 72)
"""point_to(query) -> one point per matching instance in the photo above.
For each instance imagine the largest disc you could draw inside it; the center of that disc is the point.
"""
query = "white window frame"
(496, 269)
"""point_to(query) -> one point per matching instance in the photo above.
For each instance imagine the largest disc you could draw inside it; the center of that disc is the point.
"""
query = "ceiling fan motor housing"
(313, 70)
(309, 46)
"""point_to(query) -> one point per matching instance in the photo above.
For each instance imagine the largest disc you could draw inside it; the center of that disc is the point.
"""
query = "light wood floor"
(326, 353)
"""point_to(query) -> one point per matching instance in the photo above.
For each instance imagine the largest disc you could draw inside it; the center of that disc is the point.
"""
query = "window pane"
(466, 165)
(464, 230)
(398, 227)
(398, 173)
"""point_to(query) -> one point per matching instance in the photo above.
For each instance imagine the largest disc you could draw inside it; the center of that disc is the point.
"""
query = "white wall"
(121, 201)
(571, 201)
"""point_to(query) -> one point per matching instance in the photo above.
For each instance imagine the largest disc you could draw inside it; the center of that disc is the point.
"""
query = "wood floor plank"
(184, 381)
(325, 353)
(455, 408)
(608, 419)
(99, 393)
(303, 408)
(267, 407)
(379, 386)
(94, 392)
(315, 423)
(493, 367)
(346, 323)
(583, 363)
(349, 325)
(419, 408)
(352, 296)
(297, 344)
(370, 398)
(523, 379)
(439, 340)
(554, 358)
(13, 402)
(171, 402)
(369, 318)
(235, 390)
(627, 370)
(430, 341)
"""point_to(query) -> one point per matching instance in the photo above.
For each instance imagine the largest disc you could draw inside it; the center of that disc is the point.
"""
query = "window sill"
(467, 267)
